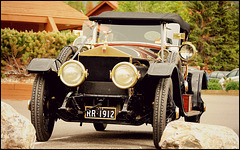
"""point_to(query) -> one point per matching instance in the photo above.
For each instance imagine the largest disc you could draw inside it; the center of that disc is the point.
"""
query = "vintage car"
(128, 68)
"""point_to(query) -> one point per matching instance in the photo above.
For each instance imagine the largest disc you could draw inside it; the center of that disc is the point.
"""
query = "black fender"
(49, 68)
(197, 80)
(161, 69)
(38, 65)
(166, 70)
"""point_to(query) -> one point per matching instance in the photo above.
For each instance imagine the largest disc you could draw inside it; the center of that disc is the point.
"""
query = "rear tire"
(99, 126)
(161, 113)
(42, 116)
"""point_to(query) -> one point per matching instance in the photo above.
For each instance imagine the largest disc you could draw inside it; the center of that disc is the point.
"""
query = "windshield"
(94, 33)
(233, 73)
(134, 33)
(141, 40)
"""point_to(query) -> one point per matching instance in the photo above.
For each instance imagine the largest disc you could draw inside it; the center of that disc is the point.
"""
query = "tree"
(215, 33)
(89, 6)
(154, 7)
(78, 5)
(200, 15)
(226, 34)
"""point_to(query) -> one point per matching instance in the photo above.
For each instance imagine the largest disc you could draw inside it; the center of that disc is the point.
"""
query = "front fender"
(42, 65)
(166, 70)
(161, 69)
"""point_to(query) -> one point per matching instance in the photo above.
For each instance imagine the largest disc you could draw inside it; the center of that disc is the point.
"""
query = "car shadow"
(111, 138)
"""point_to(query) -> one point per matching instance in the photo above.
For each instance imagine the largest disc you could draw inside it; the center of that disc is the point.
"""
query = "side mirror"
(187, 51)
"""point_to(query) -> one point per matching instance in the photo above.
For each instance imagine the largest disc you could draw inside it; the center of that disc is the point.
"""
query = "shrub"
(19, 48)
(213, 81)
(232, 85)
(214, 86)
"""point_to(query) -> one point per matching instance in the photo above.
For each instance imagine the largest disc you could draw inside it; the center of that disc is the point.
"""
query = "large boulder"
(17, 132)
(186, 135)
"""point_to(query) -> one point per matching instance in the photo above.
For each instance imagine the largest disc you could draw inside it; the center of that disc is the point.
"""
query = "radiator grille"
(99, 67)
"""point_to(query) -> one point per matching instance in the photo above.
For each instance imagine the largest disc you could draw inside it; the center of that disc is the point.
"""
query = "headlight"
(187, 51)
(124, 75)
(72, 73)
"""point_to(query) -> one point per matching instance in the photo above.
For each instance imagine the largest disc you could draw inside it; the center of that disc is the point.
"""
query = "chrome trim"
(85, 74)
(143, 44)
(194, 51)
(137, 75)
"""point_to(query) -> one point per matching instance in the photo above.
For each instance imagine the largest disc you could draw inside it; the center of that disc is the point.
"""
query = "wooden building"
(103, 6)
(51, 16)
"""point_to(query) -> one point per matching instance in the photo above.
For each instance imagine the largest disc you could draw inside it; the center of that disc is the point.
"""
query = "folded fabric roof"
(140, 18)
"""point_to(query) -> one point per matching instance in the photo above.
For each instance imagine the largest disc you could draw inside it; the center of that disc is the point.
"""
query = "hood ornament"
(106, 40)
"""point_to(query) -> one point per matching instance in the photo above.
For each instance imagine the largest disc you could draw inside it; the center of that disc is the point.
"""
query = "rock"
(187, 135)
(17, 132)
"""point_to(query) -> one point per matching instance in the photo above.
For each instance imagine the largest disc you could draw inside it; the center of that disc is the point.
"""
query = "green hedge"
(232, 85)
(214, 85)
(19, 48)
(229, 85)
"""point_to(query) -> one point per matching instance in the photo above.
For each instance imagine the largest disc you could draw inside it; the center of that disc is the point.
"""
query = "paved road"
(221, 110)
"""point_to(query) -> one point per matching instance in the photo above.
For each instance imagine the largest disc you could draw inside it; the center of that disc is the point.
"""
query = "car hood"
(135, 49)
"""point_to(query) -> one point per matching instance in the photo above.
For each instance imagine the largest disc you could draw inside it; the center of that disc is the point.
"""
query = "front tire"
(99, 126)
(66, 53)
(162, 114)
(42, 117)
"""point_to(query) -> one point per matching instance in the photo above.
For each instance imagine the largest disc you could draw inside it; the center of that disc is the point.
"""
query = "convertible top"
(142, 18)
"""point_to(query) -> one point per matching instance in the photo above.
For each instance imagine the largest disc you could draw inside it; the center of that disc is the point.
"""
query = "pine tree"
(89, 6)
(154, 7)
(226, 38)
(215, 33)
(78, 5)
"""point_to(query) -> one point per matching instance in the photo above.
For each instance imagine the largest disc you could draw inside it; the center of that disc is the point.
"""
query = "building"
(103, 6)
(51, 16)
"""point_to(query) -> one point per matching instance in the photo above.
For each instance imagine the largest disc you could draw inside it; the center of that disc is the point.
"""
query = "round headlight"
(72, 73)
(124, 75)
(187, 51)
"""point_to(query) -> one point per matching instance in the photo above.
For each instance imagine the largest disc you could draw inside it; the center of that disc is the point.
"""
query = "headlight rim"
(137, 75)
(194, 51)
(81, 66)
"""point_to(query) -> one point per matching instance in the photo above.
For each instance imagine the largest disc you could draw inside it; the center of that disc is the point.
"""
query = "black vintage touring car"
(127, 68)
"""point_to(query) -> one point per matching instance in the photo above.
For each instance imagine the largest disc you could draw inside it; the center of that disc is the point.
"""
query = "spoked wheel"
(164, 108)
(42, 116)
(99, 126)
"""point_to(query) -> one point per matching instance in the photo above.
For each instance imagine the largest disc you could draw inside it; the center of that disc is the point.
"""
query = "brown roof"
(48, 12)
(103, 6)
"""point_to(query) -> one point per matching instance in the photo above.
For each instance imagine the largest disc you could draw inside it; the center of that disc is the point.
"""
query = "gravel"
(18, 79)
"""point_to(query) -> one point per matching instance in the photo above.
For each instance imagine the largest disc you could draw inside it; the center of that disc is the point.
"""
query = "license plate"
(100, 113)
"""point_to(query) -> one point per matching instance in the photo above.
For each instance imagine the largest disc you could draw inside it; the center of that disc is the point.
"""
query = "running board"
(192, 113)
